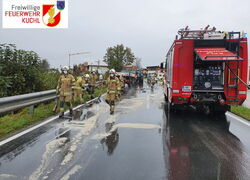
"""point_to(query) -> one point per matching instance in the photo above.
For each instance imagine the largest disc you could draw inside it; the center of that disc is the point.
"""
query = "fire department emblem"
(52, 13)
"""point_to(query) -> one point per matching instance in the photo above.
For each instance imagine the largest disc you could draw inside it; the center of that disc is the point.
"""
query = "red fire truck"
(206, 69)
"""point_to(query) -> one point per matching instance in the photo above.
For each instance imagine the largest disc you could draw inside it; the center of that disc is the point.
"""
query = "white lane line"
(28, 130)
(235, 117)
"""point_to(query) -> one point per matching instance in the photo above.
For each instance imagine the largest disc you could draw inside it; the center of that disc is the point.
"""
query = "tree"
(20, 71)
(118, 56)
(44, 65)
(76, 70)
(138, 63)
(5, 83)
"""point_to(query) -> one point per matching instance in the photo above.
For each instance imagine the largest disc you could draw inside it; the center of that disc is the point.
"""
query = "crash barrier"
(14, 103)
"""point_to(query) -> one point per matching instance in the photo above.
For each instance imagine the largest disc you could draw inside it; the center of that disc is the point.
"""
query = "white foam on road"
(112, 118)
(137, 126)
(50, 149)
(85, 129)
(7, 176)
(126, 125)
(71, 172)
(67, 158)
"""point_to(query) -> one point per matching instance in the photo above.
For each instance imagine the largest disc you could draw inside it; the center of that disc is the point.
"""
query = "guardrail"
(13, 103)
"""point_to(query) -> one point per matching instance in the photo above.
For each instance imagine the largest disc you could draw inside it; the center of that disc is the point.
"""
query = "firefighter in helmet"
(78, 92)
(112, 87)
(152, 81)
(120, 86)
(101, 86)
(86, 82)
(64, 89)
(92, 83)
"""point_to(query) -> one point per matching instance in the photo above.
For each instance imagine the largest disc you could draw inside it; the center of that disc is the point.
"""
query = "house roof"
(95, 63)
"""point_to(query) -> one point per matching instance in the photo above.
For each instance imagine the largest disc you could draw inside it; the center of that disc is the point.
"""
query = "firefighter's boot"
(61, 114)
(71, 112)
(112, 109)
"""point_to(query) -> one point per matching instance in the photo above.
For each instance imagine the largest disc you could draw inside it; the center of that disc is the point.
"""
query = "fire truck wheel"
(173, 108)
(221, 109)
(166, 96)
(206, 109)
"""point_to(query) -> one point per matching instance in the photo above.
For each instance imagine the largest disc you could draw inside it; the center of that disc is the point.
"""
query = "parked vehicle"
(207, 69)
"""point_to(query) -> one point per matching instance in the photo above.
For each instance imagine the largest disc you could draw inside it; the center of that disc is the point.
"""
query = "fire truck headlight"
(207, 85)
(176, 91)
(186, 88)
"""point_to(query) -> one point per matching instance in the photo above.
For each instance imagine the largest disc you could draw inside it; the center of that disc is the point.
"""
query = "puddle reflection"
(111, 141)
(198, 146)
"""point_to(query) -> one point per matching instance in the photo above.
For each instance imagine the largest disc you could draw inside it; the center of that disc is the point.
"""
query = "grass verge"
(241, 111)
(12, 123)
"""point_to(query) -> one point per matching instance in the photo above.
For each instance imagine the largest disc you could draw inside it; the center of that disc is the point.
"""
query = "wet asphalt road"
(140, 141)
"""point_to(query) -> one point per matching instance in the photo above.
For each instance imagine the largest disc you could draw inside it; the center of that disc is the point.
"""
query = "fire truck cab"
(207, 69)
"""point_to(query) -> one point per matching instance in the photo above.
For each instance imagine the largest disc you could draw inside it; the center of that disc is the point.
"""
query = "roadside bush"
(50, 78)
(23, 72)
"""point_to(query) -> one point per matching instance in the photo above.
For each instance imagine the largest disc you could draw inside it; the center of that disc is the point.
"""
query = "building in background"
(129, 68)
(100, 66)
(153, 68)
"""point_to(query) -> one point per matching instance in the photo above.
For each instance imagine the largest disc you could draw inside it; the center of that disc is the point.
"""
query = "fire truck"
(206, 69)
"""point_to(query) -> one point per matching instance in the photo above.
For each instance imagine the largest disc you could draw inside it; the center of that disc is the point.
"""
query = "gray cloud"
(146, 26)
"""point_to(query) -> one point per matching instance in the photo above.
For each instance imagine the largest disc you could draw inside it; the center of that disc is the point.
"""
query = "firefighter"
(86, 82)
(78, 92)
(92, 83)
(152, 81)
(64, 89)
(112, 87)
(101, 86)
(96, 75)
(120, 86)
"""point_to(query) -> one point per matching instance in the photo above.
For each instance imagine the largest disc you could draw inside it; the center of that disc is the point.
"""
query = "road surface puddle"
(61, 150)
(126, 125)
(50, 151)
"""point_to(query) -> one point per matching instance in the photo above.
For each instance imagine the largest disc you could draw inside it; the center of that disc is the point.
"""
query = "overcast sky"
(148, 27)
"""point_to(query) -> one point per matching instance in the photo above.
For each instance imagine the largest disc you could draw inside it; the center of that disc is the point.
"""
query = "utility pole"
(98, 64)
(75, 54)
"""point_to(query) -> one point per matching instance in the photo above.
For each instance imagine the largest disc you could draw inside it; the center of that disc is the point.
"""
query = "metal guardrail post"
(31, 109)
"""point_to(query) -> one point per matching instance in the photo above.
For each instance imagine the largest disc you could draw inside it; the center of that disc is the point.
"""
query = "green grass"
(14, 122)
(241, 111)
